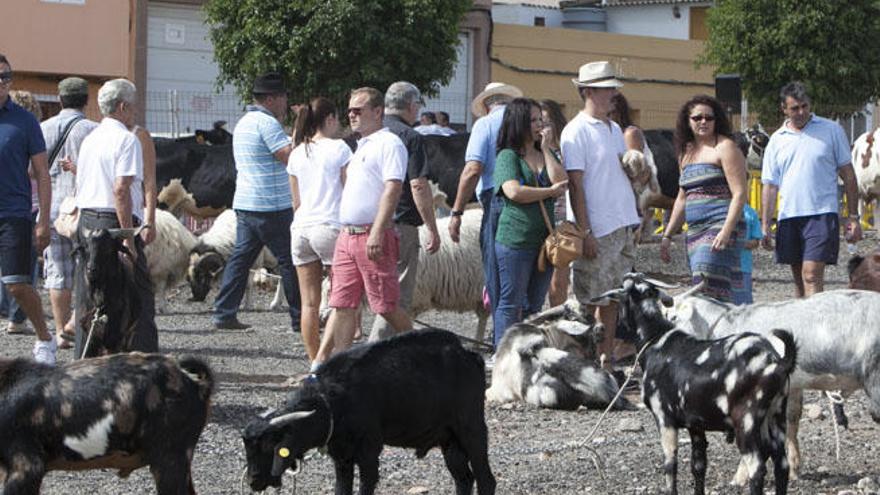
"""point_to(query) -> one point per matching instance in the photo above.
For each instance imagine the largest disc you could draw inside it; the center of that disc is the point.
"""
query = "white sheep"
(168, 256)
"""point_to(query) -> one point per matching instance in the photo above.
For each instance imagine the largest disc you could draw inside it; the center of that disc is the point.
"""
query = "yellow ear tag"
(283, 452)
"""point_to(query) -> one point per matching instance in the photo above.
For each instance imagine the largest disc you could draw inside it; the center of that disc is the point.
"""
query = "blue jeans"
(255, 229)
(523, 287)
(492, 205)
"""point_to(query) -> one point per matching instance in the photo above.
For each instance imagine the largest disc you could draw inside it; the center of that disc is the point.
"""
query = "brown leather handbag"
(564, 244)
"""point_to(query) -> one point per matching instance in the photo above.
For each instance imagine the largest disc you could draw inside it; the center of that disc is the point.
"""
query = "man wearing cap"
(365, 259)
(601, 197)
(416, 206)
(110, 194)
(262, 202)
(477, 175)
(22, 145)
(64, 132)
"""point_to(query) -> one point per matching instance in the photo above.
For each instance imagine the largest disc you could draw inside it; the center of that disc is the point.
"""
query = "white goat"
(837, 334)
(168, 256)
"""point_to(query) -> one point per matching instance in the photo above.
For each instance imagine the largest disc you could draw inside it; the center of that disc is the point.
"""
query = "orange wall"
(51, 38)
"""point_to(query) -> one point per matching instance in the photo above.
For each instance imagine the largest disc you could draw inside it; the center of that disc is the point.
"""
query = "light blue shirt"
(482, 143)
(804, 165)
(753, 232)
(262, 183)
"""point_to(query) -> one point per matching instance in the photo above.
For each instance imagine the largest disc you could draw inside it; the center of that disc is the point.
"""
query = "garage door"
(180, 96)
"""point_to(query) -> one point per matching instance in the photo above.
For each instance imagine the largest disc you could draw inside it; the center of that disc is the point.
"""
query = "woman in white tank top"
(317, 174)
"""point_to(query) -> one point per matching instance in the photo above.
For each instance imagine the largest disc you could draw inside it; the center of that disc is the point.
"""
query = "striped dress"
(707, 203)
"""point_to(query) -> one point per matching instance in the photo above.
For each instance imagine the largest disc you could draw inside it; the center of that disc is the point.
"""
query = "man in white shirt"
(365, 259)
(110, 194)
(601, 197)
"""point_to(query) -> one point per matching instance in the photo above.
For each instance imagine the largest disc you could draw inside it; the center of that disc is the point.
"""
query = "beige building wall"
(659, 74)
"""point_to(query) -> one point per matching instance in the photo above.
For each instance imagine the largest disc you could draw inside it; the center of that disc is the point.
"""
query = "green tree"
(329, 47)
(833, 47)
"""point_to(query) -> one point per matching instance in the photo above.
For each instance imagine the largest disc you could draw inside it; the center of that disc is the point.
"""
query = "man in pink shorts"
(366, 252)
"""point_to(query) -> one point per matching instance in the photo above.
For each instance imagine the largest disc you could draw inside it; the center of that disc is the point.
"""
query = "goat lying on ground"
(550, 361)
(838, 338)
(738, 385)
(120, 412)
(416, 390)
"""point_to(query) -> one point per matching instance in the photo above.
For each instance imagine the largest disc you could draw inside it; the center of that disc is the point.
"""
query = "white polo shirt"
(594, 147)
(110, 151)
(380, 157)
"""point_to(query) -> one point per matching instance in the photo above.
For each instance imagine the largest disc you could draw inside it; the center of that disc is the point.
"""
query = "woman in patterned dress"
(710, 199)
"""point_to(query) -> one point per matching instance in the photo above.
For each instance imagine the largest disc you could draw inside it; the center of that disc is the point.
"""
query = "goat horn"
(126, 233)
(660, 283)
(692, 290)
(268, 412)
(287, 418)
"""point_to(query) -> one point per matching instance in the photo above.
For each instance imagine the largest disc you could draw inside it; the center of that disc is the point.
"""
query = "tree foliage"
(329, 47)
(833, 47)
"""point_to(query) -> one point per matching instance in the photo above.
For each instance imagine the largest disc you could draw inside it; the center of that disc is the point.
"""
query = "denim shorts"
(810, 238)
(16, 244)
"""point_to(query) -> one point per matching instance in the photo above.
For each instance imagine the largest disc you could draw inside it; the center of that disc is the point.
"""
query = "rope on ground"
(834, 398)
(462, 337)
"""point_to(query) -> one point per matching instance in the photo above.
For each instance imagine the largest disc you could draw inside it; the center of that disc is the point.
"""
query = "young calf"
(418, 390)
(550, 361)
(738, 385)
(123, 412)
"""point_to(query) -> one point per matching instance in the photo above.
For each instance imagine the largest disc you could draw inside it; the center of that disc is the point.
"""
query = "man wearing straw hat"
(600, 194)
(477, 175)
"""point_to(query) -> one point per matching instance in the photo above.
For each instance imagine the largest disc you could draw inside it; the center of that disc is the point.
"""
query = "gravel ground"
(532, 451)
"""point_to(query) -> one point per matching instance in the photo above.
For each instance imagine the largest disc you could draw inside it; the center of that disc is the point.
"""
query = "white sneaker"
(44, 351)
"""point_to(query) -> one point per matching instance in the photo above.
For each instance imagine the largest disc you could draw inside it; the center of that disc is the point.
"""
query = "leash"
(834, 398)
(462, 337)
(95, 319)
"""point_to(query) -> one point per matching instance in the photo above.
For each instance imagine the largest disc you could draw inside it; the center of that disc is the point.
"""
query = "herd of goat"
(705, 366)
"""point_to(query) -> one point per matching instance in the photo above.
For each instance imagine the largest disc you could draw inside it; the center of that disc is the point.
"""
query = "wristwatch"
(456, 213)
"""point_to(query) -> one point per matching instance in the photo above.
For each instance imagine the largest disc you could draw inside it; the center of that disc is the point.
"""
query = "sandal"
(67, 336)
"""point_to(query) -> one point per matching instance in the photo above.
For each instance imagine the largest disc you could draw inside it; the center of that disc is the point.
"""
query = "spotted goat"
(737, 385)
(124, 412)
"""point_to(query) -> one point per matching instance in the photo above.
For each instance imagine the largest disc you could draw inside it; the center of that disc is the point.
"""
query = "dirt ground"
(532, 451)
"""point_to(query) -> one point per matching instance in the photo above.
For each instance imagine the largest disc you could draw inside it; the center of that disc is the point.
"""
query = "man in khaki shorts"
(601, 197)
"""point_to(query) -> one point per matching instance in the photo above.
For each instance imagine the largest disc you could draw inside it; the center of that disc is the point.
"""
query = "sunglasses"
(5, 77)
(703, 118)
(356, 111)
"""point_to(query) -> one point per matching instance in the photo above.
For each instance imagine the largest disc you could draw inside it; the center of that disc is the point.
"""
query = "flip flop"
(67, 337)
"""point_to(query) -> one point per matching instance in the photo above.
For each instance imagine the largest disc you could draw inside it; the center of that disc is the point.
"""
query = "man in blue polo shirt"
(262, 202)
(802, 162)
(477, 176)
(21, 145)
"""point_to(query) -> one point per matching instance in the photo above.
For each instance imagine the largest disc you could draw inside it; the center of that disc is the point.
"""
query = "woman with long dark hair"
(711, 197)
(526, 172)
(317, 174)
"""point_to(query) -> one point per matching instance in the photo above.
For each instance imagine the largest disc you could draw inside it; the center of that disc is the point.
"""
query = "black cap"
(270, 83)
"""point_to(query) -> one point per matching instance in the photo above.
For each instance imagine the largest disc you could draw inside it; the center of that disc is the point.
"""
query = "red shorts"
(353, 272)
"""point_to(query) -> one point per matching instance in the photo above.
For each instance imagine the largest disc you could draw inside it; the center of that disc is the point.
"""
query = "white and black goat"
(416, 390)
(123, 412)
(550, 361)
(838, 337)
(737, 385)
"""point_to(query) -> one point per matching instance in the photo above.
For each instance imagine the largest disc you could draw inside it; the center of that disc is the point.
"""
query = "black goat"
(123, 412)
(418, 390)
(550, 361)
(738, 385)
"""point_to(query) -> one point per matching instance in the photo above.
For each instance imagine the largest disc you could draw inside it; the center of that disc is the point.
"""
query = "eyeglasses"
(703, 118)
(356, 111)
(6, 77)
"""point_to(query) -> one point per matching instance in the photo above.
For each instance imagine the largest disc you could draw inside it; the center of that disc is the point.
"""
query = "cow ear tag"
(283, 452)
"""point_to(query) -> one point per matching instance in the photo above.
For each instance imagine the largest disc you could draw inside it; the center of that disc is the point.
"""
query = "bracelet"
(457, 213)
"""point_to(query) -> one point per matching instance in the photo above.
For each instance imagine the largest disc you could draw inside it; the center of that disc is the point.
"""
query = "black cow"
(446, 161)
(206, 171)
(417, 390)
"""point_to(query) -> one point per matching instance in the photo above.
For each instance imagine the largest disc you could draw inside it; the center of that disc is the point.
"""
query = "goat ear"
(573, 328)
(288, 418)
